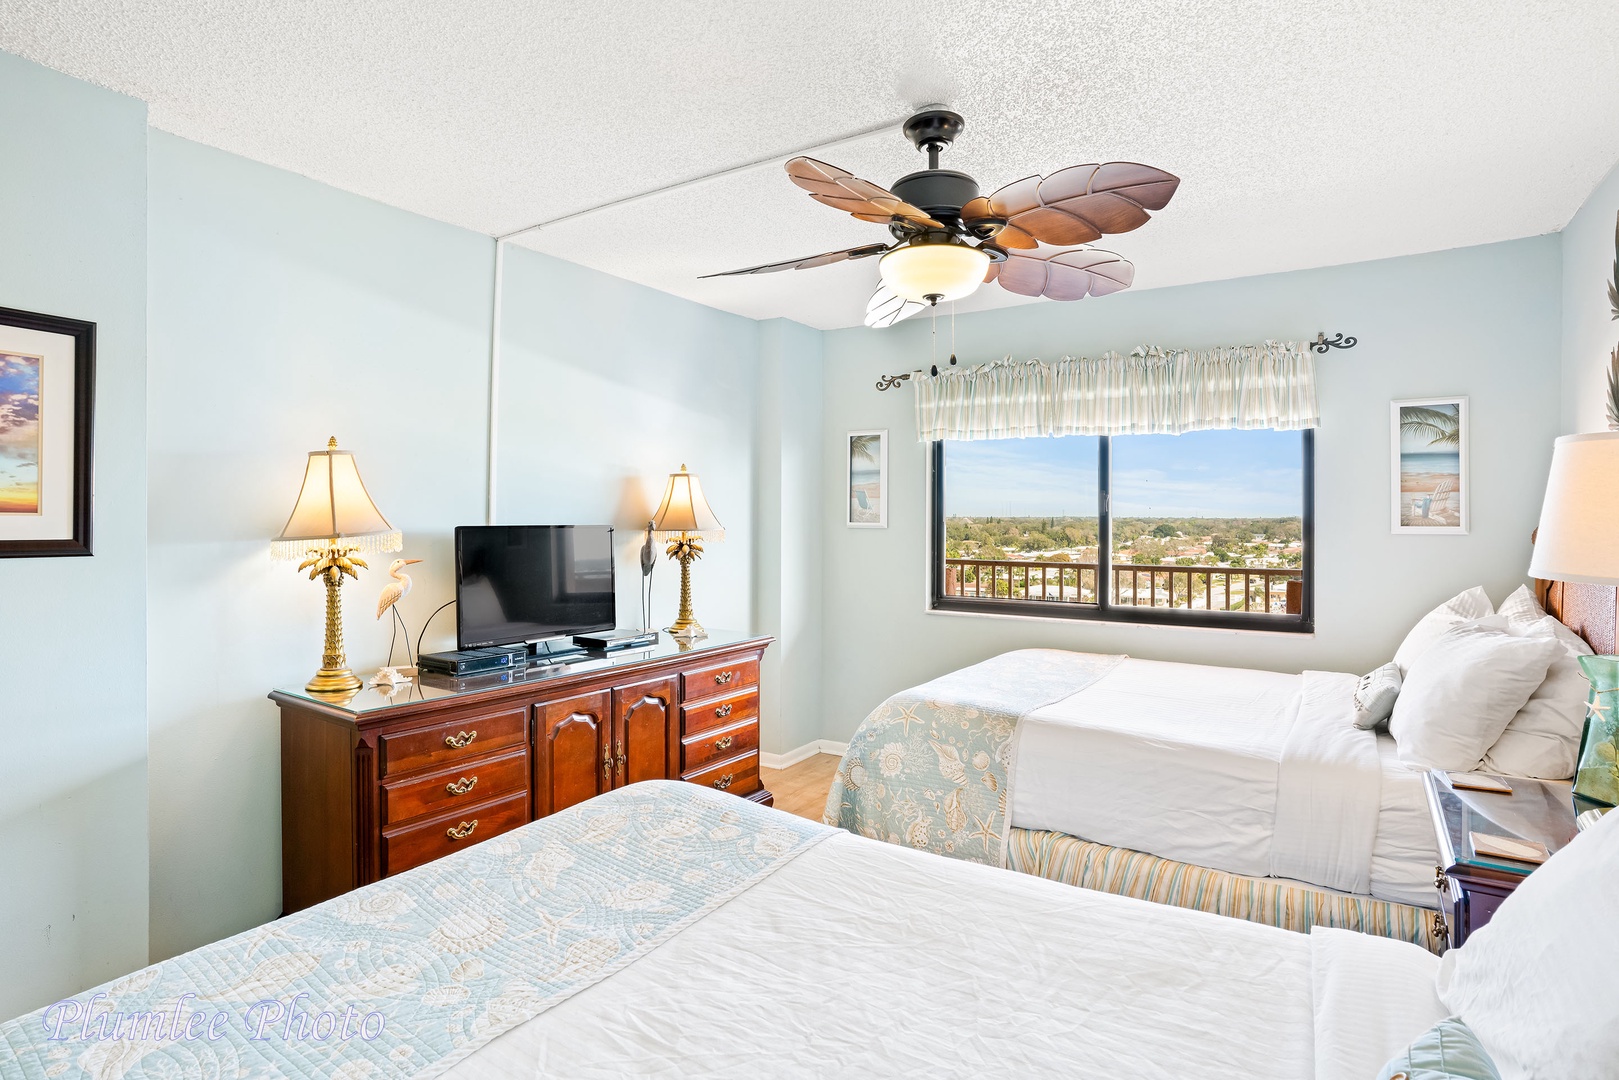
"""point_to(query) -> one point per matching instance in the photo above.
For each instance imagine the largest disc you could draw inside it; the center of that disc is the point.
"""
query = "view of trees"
(1233, 542)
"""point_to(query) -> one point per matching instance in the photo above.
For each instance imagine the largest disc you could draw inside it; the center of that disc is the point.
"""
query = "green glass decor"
(1596, 783)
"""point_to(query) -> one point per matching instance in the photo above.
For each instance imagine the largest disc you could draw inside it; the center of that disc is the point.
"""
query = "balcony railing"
(1261, 590)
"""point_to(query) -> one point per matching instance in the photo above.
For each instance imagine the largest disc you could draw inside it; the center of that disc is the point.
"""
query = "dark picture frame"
(19, 337)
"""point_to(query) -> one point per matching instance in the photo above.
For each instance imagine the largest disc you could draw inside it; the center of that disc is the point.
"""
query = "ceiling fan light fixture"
(929, 272)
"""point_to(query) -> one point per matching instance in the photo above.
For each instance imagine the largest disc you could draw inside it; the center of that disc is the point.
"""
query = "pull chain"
(933, 352)
(952, 333)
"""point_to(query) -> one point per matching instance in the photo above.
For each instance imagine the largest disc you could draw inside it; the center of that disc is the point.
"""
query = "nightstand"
(1472, 886)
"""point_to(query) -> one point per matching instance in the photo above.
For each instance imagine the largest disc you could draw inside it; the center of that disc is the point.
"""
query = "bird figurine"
(397, 589)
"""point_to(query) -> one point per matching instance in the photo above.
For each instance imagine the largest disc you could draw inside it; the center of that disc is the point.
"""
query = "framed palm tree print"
(47, 392)
(1431, 493)
(868, 479)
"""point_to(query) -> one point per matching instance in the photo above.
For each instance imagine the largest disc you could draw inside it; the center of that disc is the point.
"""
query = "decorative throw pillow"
(1463, 607)
(1529, 982)
(1375, 694)
(1460, 693)
(1542, 740)
(1447, 1051)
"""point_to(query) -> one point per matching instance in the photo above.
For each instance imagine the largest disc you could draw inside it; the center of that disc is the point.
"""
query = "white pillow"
(1463, 607)
(1544, 737)
(1461, 692)
(1532, 983)
(1375, 695)
(1521, 609)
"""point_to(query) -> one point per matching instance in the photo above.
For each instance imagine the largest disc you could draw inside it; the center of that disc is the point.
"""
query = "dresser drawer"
(472, 781)
(716, 679)
(739, 776)
(702, 750)
(417, 844)
(450, 744)
(718, 713)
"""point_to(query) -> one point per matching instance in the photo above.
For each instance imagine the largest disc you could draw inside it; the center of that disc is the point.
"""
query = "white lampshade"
(684, 510)
(942, 271)
(1578, 538)
(334, 505)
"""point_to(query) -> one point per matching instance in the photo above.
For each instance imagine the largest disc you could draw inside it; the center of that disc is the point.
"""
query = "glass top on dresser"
(1536, 810)
(371, 699)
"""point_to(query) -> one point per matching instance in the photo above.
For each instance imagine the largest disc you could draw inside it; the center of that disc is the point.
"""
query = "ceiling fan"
(948, 238)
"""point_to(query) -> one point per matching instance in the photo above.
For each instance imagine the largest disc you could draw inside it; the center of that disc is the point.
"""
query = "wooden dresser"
(373, 785)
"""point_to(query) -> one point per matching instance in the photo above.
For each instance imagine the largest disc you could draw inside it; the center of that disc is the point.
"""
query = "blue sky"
(1199, 474)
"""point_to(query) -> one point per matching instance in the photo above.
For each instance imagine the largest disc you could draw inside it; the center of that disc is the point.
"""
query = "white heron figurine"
(393, 592)
(397, 589)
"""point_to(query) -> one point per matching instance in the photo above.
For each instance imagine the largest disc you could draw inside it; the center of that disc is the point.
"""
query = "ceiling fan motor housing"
(938, 191)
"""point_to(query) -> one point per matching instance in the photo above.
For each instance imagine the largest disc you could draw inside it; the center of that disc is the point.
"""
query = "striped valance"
(1150, 392)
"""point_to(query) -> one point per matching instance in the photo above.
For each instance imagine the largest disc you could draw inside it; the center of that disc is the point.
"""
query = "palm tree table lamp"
(685, 520)
(333, 521)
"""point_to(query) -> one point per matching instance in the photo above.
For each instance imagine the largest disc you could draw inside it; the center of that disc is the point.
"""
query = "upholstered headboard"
(1591, 611)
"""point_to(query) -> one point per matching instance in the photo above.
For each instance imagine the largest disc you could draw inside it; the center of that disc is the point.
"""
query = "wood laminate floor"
(801, 789)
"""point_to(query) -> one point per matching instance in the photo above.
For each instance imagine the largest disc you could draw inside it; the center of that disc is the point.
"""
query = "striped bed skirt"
(1274, 902)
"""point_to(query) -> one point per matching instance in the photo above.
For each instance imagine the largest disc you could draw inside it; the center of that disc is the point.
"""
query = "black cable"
(429, 622)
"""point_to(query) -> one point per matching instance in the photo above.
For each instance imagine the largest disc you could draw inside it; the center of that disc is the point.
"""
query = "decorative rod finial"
(1322, 342)
(331, 444)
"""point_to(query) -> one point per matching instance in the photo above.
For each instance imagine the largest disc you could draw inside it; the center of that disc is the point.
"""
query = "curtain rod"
(1321, 344)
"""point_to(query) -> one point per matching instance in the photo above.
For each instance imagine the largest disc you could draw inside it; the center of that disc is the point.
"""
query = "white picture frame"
(865, 456)
(1429, 483)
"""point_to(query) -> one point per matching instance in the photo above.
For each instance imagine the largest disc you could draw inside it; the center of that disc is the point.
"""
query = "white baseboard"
(803, 753)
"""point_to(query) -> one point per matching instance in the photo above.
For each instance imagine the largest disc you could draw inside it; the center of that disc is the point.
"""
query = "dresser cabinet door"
(575, 761)
(643, 722)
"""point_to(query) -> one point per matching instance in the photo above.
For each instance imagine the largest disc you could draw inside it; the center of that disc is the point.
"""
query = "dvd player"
(613, 640)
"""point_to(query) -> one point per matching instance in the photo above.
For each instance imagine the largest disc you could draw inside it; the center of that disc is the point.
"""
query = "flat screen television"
(516, 583)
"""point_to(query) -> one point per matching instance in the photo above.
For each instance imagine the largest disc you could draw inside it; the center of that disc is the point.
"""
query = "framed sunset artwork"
(47, 395)
(1429, 458)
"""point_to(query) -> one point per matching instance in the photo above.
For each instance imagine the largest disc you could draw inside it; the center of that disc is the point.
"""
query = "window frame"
(1105, 610)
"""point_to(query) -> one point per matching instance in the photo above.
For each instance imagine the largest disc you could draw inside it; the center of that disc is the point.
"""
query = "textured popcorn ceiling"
(1307, 132)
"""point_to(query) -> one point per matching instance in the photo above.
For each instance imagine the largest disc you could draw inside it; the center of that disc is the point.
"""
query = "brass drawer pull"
(461, 831)
(724, 677)
(724, 782)
(460, 740)
(621, 758)
(725, 743)
(723, 711)
(461, 786)
(1440, 880)
(607, 764)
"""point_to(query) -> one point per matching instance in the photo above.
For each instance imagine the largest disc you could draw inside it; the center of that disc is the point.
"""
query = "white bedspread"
(1386, 986)
(1252, 772)
(866, 959)
(1327, 788)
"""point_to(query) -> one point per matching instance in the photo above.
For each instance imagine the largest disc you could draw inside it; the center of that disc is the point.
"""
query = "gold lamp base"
(685, 548)
(333, 681)
(331, 563)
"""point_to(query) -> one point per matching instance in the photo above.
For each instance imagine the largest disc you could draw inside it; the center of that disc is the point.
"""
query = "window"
(1209, 528)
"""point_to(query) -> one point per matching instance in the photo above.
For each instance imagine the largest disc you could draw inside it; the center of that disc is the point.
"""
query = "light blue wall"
(283, 311)
(788, 571)
(1478, 321)
(605, 388)
(1590, 333)
(73, 873)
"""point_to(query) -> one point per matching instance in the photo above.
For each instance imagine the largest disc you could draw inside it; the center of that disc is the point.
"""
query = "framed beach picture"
(868, 479)
(47, 394)
(1429, 454)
